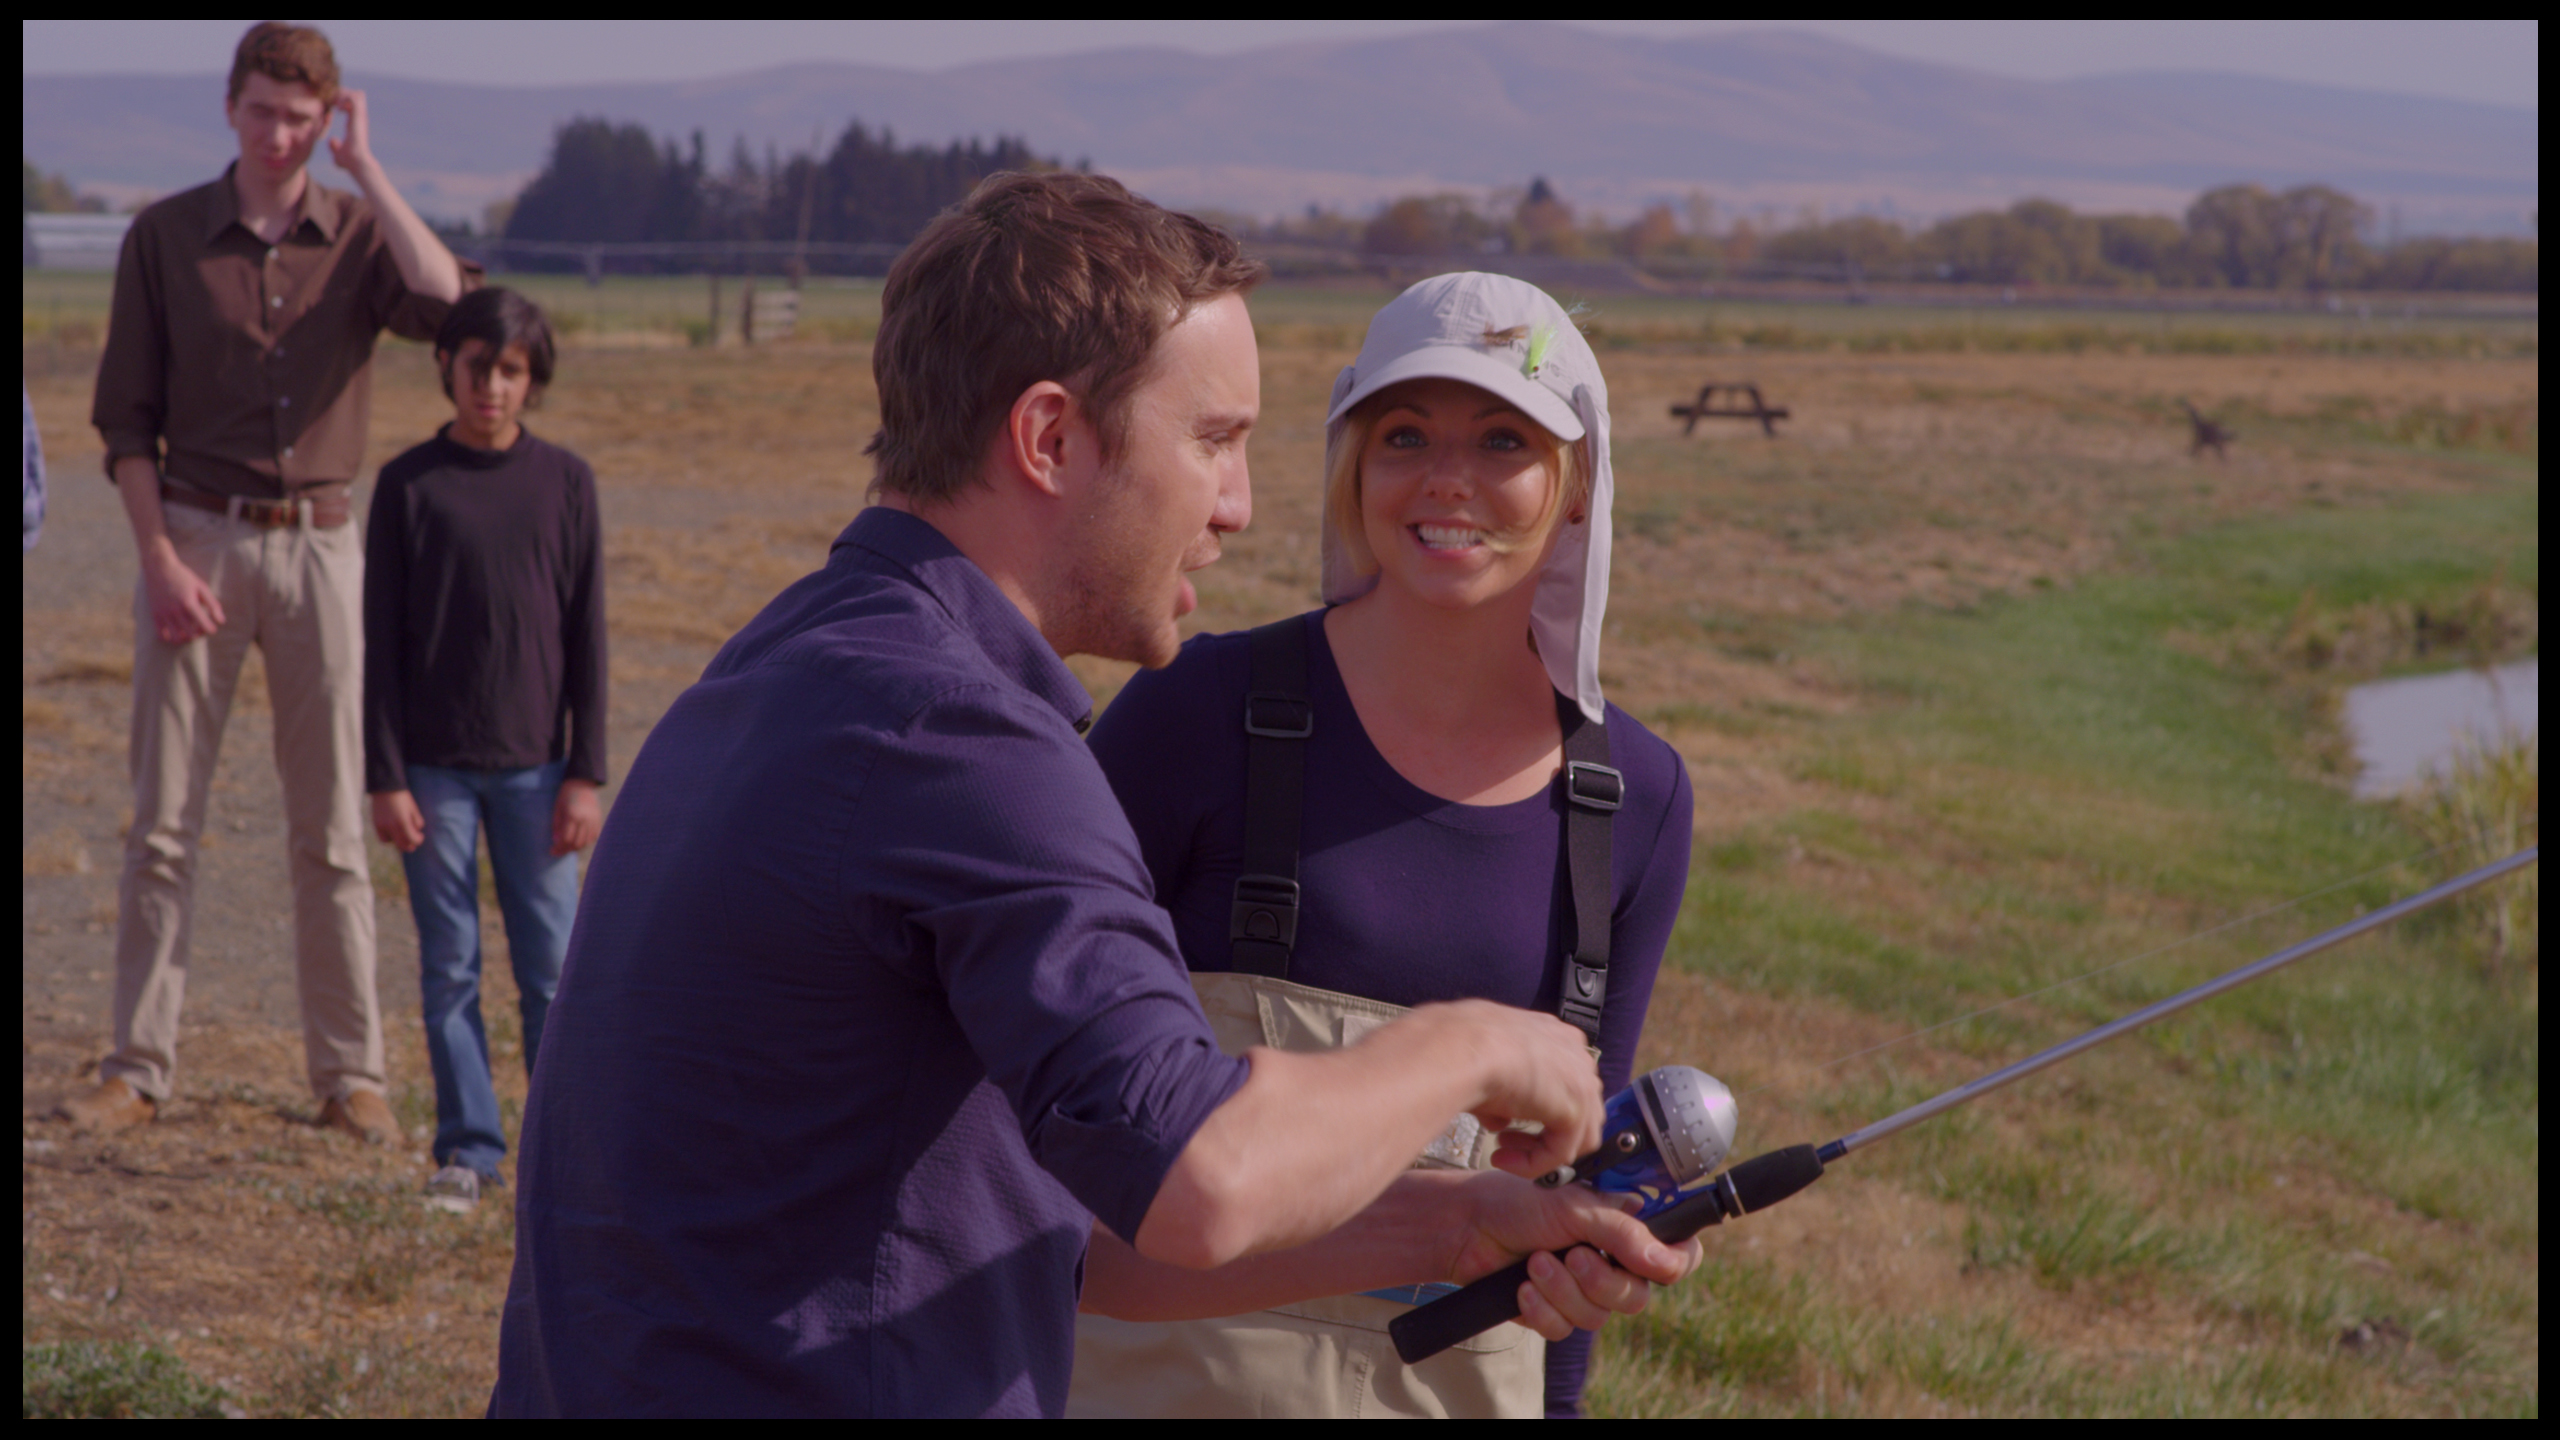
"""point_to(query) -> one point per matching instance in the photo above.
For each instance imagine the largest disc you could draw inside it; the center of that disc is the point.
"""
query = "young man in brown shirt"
(233, 397)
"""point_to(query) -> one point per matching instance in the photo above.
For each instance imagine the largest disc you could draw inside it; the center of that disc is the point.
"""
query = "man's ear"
(1042, 435)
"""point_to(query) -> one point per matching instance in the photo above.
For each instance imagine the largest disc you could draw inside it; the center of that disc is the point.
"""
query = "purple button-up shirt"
(868, 1014)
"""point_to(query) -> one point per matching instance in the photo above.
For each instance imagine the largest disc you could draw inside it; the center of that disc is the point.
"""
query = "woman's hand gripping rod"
(1764, 1180)
(1667, 1131)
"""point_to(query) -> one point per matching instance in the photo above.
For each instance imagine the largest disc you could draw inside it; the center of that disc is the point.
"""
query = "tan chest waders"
(1332, 1358)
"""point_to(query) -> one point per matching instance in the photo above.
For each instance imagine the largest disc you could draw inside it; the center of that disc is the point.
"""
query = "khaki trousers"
(1329, 1358)
(298, 595)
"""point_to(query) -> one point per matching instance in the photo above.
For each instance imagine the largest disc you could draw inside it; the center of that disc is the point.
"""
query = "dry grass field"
(1983, 682)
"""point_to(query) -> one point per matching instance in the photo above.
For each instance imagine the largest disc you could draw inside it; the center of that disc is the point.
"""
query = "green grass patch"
(1969, 1362)
(2096, 1237)
(1747, 1327)
(89, 1380)
(2058, 782)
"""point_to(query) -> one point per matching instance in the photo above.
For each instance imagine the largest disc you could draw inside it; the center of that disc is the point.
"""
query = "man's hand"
(397, 820)
(1538, 1069)
(1511, 1217)
(426, 266)
(354, 153)
(1311, 1140)
(576, 817)
(183, 607)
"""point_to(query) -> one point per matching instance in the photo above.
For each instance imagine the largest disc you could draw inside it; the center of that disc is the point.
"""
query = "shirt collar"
(989, 617)
(323, 209)
(477, 458)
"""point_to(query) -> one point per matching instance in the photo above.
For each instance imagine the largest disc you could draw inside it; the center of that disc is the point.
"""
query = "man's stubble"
(1119, 591)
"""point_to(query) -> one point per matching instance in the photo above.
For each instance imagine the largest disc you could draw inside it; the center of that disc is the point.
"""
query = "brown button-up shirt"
(245, 368)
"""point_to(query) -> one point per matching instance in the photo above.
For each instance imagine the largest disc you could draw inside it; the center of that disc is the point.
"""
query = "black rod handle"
(1755, 1184)
(1481, 1304)
(1478, 1306)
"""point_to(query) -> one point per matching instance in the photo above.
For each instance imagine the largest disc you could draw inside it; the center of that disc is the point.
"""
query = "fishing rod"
(1675, 1124)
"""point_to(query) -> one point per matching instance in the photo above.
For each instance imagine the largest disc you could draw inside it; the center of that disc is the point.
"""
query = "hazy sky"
(2498, 61)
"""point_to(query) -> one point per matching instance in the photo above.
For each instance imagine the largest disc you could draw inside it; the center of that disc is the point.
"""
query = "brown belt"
(330, 506)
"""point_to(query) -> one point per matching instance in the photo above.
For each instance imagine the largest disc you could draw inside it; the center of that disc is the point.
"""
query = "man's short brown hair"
(286, 54)
(1062, 277)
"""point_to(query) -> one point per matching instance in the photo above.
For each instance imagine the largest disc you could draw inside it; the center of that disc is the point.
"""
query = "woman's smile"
(1449, 538)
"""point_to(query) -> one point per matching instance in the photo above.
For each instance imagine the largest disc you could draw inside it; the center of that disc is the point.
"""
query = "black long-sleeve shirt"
(484, 613)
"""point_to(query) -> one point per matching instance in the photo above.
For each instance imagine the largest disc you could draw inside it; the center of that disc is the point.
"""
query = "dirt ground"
(296, 1268)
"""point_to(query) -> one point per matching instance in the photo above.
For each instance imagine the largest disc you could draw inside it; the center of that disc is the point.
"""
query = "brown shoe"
(361, 1113)
(113, 1105)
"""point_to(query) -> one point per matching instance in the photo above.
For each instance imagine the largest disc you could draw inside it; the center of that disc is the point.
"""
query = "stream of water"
(2404, 729)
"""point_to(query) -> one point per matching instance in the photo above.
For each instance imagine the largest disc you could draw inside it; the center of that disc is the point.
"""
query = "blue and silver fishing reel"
(1667, 1131)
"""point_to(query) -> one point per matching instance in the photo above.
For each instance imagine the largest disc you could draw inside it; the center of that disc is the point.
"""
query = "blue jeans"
(538, 896)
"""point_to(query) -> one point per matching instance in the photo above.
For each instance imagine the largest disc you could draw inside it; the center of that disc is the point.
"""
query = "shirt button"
(288, 452)
(277, 302)
(279, 352)
(272, 252)
(283, 400)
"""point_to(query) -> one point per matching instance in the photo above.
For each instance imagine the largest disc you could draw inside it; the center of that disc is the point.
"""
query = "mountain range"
(1767, 119)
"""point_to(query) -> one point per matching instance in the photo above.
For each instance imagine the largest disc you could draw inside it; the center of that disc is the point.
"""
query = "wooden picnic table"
(1702, 408)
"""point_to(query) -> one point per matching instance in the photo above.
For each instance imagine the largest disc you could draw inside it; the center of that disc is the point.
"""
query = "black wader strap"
(1278, 717)
(1592, 793)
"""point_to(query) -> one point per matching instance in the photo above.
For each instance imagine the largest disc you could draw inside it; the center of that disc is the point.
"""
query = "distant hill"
(1770, 118)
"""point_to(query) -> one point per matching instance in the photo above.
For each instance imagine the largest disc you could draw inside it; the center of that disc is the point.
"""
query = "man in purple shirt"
(870, 1019)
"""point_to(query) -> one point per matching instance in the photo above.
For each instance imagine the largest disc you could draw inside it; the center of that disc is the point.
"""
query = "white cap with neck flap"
(1509, 338)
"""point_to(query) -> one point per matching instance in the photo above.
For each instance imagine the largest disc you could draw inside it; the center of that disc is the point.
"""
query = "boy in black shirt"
(484, 700)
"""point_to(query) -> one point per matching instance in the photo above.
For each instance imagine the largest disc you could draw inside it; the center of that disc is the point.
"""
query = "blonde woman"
(1414, 794)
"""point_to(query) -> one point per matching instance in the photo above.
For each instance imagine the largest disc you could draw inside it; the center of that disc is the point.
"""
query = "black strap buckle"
(1279, 717)
(1266, 909)
(1586, 990)
(1594, 787)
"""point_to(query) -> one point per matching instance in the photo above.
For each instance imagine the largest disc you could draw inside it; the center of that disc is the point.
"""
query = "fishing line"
(2277, 909)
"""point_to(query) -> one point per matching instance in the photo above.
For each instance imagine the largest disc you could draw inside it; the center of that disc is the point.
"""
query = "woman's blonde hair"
(1342, 484)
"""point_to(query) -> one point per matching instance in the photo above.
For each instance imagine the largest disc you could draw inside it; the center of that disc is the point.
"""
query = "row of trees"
(2240, 236)
(40, 193)
(614, 183)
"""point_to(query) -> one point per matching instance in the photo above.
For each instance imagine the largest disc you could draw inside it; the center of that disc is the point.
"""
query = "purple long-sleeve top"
(868, 1015)
(1407, 898)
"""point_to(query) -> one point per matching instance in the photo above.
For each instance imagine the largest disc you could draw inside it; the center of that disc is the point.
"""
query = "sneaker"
(455, 1188)
(113, 1105)
(361, 1113)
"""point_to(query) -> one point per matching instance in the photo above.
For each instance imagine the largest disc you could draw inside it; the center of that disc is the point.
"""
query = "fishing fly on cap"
(1539, 340)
